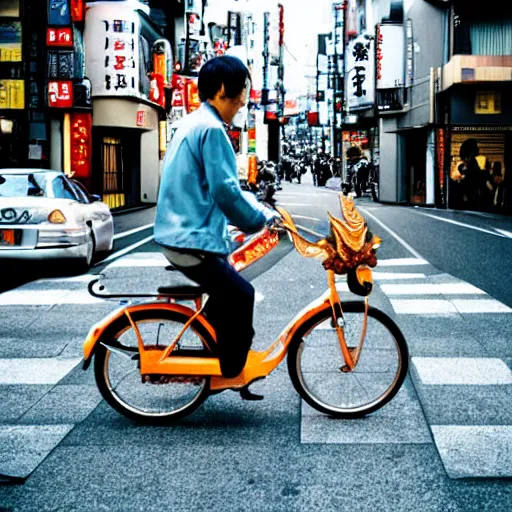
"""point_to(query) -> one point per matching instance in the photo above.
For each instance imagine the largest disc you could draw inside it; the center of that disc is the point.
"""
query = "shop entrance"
(116, 154)
(416, 165)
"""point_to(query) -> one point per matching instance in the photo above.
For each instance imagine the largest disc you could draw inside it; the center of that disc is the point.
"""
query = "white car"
(45, 215)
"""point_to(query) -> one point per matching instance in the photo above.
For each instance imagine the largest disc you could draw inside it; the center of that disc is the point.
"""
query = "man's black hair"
(227, 70)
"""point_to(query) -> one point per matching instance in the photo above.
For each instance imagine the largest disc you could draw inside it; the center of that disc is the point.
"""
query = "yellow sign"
(10, 53)
(12, 94)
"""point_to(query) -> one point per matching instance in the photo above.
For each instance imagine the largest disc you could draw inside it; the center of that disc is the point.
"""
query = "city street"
(442, 444)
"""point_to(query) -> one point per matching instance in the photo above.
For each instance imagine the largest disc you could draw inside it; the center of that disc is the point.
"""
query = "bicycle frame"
(259, 363)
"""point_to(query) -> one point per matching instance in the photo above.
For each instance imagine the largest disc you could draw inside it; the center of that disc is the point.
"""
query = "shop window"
(488, 103)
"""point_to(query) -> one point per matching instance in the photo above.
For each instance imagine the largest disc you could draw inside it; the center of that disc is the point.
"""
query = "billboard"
(111, 39)
(360, 77)
(390, 56)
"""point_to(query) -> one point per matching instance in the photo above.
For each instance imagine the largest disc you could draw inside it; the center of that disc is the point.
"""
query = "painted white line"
(457, 223)
(436, 307)
(259, 297)
(305, 217)
(475, 451)
(387, 276)
(413, 251)
(508, 234)
(120, 253)
(309, 231)
(454, 371)
(35, 371)
(401, 262)
(31, 297)
(124, 234)
(431, 289)
(279, 203)
(480, 306)
(85, 278)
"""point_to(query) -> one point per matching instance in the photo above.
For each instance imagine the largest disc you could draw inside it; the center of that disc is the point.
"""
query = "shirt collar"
(216, 112)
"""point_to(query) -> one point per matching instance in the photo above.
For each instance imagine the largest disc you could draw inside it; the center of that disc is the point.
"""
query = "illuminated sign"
(60, 94)
(59, 37)
(81, 144)
(111, 37)
(12, 94)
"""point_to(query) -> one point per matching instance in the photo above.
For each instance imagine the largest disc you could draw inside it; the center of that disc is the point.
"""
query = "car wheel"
(85, 263)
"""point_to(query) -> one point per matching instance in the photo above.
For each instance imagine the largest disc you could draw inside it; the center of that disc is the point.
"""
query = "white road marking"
(413, 251)
(279, 203)
(31, 297)
(85, 278)
(150, 259)
(431, 289)
(401, 262)
(126, 250)
(480, 306)
(309, 231)
(470, 451)
(383, 276)
(35, 371)
(508, 234)
(423, 307)
(456, 371)
(305, 217)
(124, 234)
(258, 297)
(457, 223)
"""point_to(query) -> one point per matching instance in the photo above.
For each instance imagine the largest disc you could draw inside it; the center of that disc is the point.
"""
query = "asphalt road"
(443, 444)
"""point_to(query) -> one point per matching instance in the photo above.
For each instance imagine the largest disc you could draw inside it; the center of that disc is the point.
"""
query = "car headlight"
(56, 217)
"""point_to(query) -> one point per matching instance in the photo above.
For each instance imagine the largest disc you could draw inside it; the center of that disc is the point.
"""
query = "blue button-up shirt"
(199, 189)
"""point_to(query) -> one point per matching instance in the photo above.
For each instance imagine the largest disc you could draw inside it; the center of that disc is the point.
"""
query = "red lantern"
(81, 144)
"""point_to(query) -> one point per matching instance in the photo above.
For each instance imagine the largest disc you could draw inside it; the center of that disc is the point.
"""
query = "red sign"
(77, 10)
(81, 144)
(59, 37)
(141, 118)
(192, 95)
(60, 94)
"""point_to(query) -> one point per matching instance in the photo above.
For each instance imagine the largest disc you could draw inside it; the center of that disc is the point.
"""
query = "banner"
(10, 42)
(12, 94)
(390, 56)
(111, 39)
(360, 79)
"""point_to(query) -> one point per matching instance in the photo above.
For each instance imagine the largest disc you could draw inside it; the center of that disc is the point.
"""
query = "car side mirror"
(95, 198)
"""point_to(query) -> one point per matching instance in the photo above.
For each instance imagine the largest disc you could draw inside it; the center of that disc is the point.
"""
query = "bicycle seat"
(188, 292)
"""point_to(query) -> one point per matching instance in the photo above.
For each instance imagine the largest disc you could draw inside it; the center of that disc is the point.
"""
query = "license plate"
(7, 237)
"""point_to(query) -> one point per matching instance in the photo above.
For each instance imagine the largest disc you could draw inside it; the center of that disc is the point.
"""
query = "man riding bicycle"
(199, 194)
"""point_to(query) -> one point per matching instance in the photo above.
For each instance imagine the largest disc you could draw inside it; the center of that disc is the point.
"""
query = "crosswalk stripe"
(456, 371)
(31, 297)
(431, 289)
(44, 371)
(399, 262)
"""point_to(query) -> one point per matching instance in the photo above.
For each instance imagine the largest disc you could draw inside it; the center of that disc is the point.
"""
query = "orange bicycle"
(156, 361)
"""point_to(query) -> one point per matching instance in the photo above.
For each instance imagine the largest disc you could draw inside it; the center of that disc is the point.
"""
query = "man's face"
(229, 107)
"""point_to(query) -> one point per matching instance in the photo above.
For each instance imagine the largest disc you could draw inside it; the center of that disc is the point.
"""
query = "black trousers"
(230, 309)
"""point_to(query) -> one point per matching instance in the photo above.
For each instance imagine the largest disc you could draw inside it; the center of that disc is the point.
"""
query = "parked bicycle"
(156, 361)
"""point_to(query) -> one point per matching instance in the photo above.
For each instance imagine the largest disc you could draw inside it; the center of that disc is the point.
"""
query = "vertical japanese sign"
(360, 79)
(111, 40)
(409, 75)
(390, 56)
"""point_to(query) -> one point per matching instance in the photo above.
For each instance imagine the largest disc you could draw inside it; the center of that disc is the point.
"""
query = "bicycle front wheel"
(315, 362)
(155, 398)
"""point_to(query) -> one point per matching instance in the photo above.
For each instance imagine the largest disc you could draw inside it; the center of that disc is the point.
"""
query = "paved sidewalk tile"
(475, 451)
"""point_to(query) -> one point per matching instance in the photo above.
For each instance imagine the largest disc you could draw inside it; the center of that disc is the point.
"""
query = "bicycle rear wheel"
(153, 399)
(315, 361)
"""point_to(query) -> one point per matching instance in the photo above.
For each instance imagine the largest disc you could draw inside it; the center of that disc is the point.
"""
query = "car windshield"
(22, 185)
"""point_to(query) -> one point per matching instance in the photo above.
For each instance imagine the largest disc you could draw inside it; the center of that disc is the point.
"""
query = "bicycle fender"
(98, 330)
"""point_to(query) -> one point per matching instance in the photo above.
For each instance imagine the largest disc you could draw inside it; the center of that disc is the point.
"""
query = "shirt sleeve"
(221, 175)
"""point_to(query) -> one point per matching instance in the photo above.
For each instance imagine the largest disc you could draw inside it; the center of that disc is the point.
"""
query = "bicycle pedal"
(246, 394)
